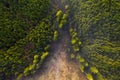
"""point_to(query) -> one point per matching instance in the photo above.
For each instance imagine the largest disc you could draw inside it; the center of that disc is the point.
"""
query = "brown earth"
(59, 68)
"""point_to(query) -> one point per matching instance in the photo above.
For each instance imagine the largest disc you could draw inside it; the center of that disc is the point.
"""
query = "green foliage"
(35, 61)
(20, 76)
(60, 26)
(26, 35)
(55, 35)
(64, 16)
(76, 48)
(59, 13)
(47, 48)
(18, 18)
(61, 18)
(81, 59)
(82, 68)
(83, 63)
(66, 6)
(100, 77)
(86, 64)
(94, 70)
(72, 56)
(70, 30)
(73, 41)
(98, 29)
(28, 70)
(26, 29)
(78, 56)
(31, 67)
(62, 23)
(74, 34)
(44, 54)
(89, 76)
(36, 57)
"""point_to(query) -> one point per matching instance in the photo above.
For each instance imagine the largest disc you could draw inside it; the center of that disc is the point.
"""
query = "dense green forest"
(98, 28)
(25, 29)
(29, 27)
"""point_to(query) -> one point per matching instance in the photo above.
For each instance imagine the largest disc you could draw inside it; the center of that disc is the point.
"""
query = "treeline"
(97, 24)
(25, 32)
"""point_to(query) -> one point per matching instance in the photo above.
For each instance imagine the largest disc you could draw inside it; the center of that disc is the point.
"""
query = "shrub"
(86, 64)
(100, 77)
(60, 25)
(36, 56)
(55, 35)
(70, 30)
(82, 68)
(74, 34)
(35, 61)
(63, 21)
(44, 54)
(89, 76)
(59, 13)
(73, 41)
(47, 48)
(76, 48)
(26, 71)
(79, 43)
(64, 16)
(72, 56)
(94, 70)
(31, 67)
(66, 7)
(81, 59)
(20, 76)
(78, 57)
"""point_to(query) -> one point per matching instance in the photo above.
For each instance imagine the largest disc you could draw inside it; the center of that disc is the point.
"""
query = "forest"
(32, 30)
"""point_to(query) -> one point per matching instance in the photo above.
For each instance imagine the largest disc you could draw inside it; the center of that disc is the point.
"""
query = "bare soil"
(59, 66)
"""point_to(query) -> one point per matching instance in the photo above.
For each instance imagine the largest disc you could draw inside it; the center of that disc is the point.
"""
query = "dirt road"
(58, 65)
